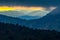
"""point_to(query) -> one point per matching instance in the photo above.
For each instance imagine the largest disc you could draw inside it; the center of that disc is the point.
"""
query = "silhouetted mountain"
(12, 20)
(17, 32)
(50, 21)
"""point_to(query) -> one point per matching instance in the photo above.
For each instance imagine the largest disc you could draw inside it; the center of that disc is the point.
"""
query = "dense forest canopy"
(18, 32)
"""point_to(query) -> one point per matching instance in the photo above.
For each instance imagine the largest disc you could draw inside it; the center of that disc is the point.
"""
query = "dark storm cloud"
(30, 2)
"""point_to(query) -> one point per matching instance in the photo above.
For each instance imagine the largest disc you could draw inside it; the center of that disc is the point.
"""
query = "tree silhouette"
(18, 32)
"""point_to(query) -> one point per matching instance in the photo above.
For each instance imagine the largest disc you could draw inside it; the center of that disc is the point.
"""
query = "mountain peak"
(56, 11)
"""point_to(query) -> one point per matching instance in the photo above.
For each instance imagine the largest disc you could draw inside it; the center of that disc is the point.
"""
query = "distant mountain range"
(12, 20)
(50, 21)
(29, 17)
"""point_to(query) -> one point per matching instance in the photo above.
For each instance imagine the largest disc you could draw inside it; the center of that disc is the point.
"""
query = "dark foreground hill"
(17, 32)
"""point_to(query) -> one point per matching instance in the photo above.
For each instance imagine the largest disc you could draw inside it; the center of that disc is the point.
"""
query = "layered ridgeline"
(18, 32)
(50, 21)
(12, 20)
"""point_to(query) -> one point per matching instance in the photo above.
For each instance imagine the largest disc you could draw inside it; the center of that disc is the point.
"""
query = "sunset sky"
(24, 10)
(16, 8)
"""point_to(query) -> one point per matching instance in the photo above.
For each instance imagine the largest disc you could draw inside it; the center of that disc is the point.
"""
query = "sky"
(17, 8)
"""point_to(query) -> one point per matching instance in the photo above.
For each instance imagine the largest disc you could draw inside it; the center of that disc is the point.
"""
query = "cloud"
(16, 13)
(21, 11)
(12, 13)
(48, 4)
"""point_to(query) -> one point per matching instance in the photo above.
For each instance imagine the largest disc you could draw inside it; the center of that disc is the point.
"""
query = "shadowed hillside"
(17, 32)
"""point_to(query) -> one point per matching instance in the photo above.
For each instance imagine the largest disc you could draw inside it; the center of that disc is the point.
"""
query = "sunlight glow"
(12, 8)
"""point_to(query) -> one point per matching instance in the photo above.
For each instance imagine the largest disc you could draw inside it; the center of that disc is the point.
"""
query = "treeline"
(17, 32)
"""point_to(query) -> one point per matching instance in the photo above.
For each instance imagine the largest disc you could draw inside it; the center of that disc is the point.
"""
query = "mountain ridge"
(50, 21)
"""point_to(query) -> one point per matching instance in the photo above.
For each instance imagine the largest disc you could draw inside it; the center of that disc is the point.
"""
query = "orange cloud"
(28, 8)
(13, 8)
(7, 8)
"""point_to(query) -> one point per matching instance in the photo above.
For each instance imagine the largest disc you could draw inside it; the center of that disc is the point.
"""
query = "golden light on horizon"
(12, 8)
(6, 8)
(24, 10)
(28, 8)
